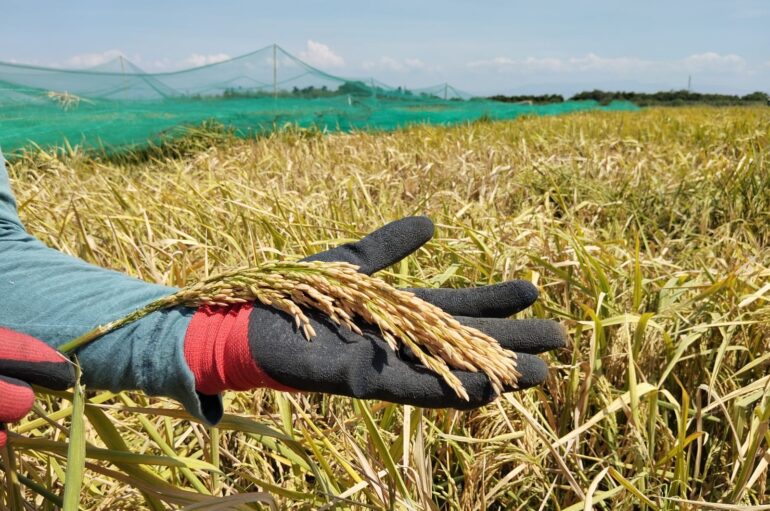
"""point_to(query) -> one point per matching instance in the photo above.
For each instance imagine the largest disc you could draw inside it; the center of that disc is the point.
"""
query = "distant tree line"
(663, 98)
(530, 99)
(351, 88)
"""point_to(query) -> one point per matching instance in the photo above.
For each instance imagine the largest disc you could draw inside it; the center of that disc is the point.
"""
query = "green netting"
(117, 104)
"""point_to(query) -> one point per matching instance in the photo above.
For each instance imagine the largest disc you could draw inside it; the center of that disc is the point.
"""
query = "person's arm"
(9, 218)
(56, 298)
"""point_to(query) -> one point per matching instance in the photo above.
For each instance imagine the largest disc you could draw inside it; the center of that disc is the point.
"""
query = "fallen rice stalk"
(65, 99)
(343, 294)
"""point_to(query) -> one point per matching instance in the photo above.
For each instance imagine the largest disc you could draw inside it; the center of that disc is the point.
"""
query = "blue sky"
(480, 47)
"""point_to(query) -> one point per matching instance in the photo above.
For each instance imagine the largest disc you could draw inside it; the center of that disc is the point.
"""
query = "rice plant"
(648, 234)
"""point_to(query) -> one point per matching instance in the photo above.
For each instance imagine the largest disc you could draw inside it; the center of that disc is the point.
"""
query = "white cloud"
(590, 62)
(93, 59)
(391, 64)
(88, 60)
(620, 65)
(708, 62)
(414, 63)
(526, 65)
(197, 60)
(544, 64)
(320, 55)
(387, 63)
(714, 62)
(159, 64)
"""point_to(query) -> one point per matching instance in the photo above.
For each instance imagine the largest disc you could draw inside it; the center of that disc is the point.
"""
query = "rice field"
(648, 234)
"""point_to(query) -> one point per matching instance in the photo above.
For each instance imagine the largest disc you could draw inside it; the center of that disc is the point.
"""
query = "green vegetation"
(663, 98)
(647, 232)
(534, 99)
(673, 98)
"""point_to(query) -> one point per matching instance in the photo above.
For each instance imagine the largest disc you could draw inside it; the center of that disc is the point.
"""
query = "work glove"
(25, 360)
(239, 348)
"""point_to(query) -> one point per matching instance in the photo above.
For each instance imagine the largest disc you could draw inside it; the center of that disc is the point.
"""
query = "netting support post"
(123, 74)
(446, 86)
(275, 71)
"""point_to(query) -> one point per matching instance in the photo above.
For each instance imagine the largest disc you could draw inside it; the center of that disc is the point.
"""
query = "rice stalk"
(533, 197)
(338, 290)
(65, 99)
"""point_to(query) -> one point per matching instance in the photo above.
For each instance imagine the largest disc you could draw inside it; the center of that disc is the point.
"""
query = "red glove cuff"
(216, 348)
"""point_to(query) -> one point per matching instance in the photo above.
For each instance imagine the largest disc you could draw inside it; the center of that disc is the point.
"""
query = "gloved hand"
(25, 360)
(239, 348)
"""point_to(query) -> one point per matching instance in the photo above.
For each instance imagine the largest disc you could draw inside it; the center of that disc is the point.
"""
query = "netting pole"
(125, 80)
(446, 86)
(275, 72)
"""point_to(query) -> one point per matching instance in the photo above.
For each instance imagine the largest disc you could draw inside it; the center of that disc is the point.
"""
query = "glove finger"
(418, 386)
(31, 360)
(16, 398)
(532, 336)
(339, 361)
(3, 435)
(383, 247)
(495, 301)
(521, 335)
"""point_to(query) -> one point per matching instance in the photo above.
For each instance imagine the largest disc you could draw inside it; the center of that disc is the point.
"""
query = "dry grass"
(648, 234)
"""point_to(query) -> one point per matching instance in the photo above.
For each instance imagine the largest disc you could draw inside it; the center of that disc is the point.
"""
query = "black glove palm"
(339, 361)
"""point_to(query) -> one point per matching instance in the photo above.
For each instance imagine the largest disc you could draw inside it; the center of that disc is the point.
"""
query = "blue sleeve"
(9, 219)
(55, 297)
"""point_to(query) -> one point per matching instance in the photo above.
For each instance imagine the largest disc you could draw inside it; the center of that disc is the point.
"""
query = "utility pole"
(689, 83)
(446, 86)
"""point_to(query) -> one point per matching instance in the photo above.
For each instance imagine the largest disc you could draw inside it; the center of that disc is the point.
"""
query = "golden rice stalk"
(65, 99)
(343, 294)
